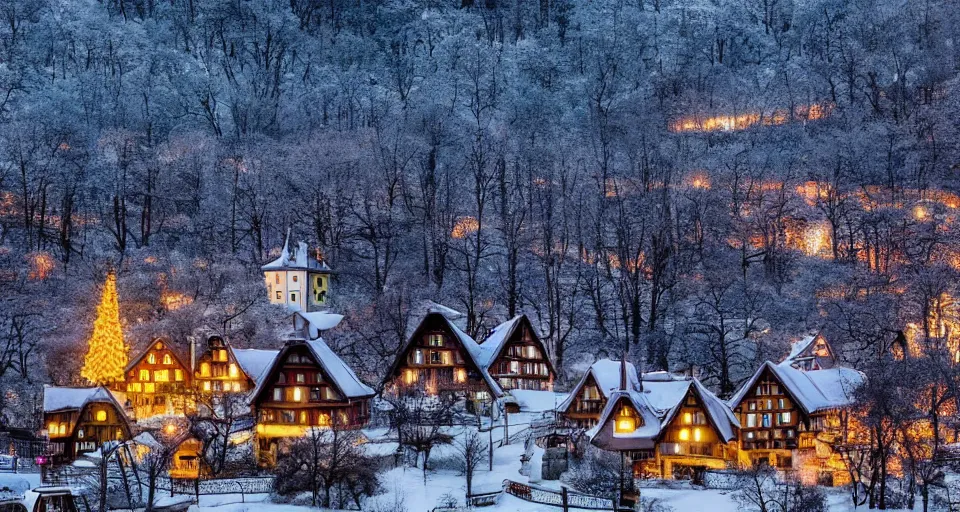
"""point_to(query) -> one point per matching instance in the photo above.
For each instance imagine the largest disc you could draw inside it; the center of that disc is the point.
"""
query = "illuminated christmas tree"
(106, 354)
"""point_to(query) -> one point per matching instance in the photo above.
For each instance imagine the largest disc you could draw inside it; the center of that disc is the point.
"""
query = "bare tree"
(471, 448)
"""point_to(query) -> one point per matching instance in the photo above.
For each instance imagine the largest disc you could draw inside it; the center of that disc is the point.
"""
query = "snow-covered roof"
(316, 321)
(606, 373)
(604, 435)
(493, 344)
(296, 258)
(338, 371)
(531, 400)
(472, 351)
(799, 346)
(475, 353)
(813, 390)
(255, 362)
(341, 375)
(811, 352)
(666, 392)
(63, 398)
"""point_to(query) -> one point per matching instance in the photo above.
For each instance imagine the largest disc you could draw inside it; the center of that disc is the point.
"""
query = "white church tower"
(297, 280)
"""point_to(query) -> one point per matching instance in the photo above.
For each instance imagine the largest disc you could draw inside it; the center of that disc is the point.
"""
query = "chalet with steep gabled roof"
(307, 385)
(81, 420)
(811, 353)
(224, 369)
(587, 399)
(790, 418)
(516, 358)
(671, 427)
(157, 382)
(439, 358)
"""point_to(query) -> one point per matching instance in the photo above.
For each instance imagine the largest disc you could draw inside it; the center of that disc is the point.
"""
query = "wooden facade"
(779, 430)
(157, 382)
(588, 402)
(299, 393)
(218, 370)
(587, 399)
(519, 360)
(83, 427)
(439, 359)
(689, 443)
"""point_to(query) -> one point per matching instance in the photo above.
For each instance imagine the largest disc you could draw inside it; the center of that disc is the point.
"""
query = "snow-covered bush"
(597, 473)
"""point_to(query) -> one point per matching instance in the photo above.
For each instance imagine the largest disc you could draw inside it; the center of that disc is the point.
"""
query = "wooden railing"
(563, 498)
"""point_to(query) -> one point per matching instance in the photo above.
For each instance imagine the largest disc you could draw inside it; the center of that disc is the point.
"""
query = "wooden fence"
(564, 498)
(205, 487)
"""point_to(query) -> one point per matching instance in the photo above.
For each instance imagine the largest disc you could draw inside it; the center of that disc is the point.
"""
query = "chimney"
(623, 372)
(193, 353)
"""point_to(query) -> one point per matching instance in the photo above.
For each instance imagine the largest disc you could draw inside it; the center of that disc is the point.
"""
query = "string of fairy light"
(106, 355)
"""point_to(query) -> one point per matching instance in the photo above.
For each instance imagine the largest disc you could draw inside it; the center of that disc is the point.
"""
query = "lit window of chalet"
(167, 359)
(626, 421)
(101, 415)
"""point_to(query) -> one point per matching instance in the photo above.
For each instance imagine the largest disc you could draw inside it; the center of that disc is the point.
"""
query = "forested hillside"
(702, 180)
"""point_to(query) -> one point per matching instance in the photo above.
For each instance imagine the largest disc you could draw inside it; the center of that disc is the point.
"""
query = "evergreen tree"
(106, 353)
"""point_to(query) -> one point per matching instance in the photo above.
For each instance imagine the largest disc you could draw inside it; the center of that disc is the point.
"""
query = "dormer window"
(626, 421)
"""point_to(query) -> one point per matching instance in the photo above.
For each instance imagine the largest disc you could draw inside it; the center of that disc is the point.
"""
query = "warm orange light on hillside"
(41, 265)
(464, 227)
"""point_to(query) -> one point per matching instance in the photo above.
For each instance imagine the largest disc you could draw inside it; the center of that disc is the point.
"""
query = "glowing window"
(236, 386)
(144, 375)
(161, 376)
(696, 435)
(514, 367)
(687, 418)
(101, 415)
(167, 359)
(152, 358)
(323, 420)
(303, 417)
(301, 378)
(297, 394)
(52, 428)
(685, 434)
(206, 385)
(409, 376)
(435, 340)
(234, 372)
(460, 375)
(277, 394)
(626, 422)
(63, 429)
(178, 375)
(149, 387)
(80, 434)
(204, 369)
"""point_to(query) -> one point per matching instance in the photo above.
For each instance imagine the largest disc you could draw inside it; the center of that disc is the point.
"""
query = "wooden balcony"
(691, 449)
